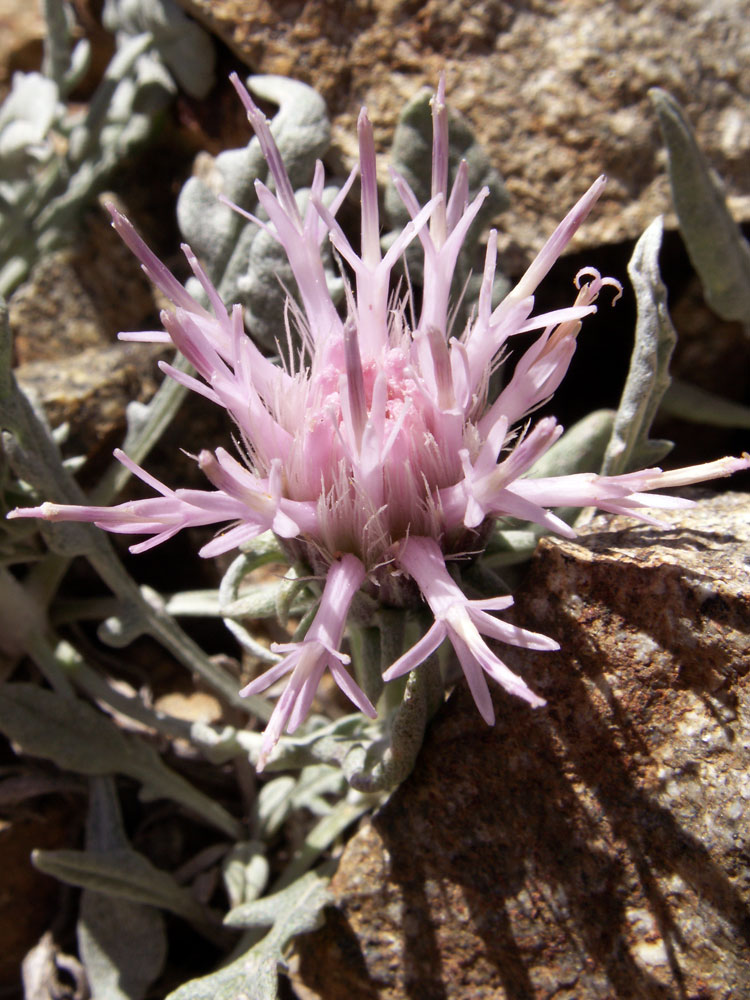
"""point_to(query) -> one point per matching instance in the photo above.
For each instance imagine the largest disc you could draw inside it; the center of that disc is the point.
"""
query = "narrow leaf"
(122, 944)
(690, 402)
(79, 738)
(123, 873)
(648, 377)
(719, 253)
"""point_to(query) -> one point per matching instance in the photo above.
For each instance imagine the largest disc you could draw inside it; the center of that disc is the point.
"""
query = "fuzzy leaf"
(183, 45)
(245, 871)
(690, 402)
(580, 449)
(648, 377)
(279, 798)
(288, 912)
(301, 126)
(123, 873)
(254, 976)
(719, 252)
(79, 738)
(122, 943)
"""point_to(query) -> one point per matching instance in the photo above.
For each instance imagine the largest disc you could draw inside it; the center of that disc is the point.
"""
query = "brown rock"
(596, 848)
(65, 319)
(557, 91)
(90, 390)
(28, 898)
(21, 39)
(80, 297)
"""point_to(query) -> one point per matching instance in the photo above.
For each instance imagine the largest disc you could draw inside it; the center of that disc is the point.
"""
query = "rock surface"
(556, 90)
(597, 848)
(65, 319)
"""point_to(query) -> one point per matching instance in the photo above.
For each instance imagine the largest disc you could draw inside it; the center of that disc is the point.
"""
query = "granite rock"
(556, 89)
(599, 847)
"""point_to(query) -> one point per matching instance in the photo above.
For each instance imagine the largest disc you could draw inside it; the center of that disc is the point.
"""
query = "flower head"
(378, 454)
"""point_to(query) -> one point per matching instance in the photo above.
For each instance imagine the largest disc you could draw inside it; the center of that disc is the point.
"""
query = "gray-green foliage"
(254, 974)
(717, 248)
(122, 942)
(55, 159)
(244, 261)
(719, 252)
(181, 48)
(648, 377)
(77, 737)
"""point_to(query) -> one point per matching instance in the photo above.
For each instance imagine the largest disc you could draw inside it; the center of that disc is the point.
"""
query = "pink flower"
(379, 455)
(461, 621)
(308, 659)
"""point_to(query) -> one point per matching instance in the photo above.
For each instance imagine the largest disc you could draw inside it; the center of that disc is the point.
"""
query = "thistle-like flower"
(376, 454)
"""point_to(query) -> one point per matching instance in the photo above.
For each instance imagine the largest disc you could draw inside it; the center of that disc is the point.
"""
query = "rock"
(598, 847)
(90, 391)
(28, 899)
(65, 319)
(21, 40)
(80, 297)
(557, 91)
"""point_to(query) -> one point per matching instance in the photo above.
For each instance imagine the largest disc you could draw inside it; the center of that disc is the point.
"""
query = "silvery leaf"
(301, 126)
(580, 449)
(124, 873)
(245, 871)
(648, 377)
(690, 402)
(122, 943)
(717, 248)
(184, 46)
(287, 912)
(26, 117)
(79, 738)
(254, 976)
